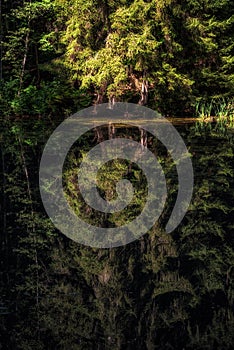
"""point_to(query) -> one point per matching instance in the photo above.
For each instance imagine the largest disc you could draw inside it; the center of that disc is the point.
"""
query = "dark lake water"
(161, 291)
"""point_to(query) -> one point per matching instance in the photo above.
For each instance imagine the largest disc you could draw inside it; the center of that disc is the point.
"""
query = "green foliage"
(165, 291)
(162, 291)
(50, 99)
(218, 111)
(165, 54)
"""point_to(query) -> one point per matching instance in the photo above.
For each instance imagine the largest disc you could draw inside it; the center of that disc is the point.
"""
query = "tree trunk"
(5, 240)
(26, 48)
(144, 93)
(24, 63)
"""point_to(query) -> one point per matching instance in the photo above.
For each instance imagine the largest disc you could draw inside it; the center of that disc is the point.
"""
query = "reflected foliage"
(162, 291)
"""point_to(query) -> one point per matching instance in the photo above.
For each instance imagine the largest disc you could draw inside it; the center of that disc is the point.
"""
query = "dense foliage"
(162, 291)
(68, 53)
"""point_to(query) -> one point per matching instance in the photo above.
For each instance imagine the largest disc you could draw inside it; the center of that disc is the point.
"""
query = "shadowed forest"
(162, 291)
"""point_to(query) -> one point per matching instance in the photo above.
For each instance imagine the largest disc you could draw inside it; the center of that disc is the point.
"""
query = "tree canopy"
(165, 54)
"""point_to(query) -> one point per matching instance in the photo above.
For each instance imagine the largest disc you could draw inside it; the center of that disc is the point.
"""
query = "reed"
(218, 110)
(203, 109)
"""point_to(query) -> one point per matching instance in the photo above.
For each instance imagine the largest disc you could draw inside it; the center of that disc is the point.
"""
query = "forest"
(161, 291)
